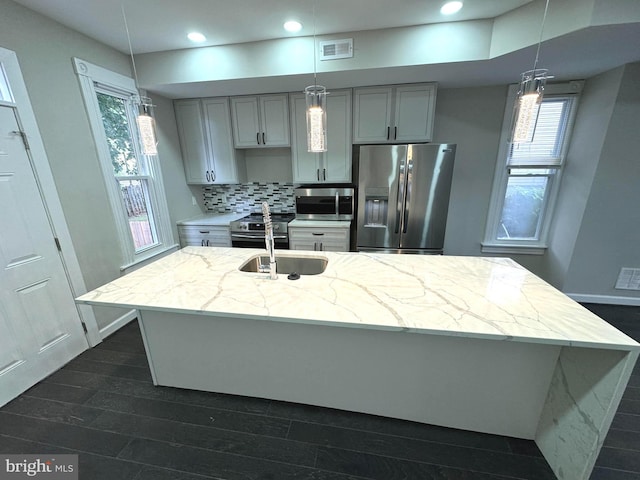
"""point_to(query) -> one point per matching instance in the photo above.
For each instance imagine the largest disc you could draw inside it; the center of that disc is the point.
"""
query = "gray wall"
(609, 235)
(592, 120)
(472, 119)
(45, 49)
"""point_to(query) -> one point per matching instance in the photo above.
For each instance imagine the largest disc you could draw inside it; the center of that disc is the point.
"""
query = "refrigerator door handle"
(407, 202)
(401, 194)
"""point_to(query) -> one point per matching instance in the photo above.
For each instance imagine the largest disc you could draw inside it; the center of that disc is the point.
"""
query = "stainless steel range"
(248, 232)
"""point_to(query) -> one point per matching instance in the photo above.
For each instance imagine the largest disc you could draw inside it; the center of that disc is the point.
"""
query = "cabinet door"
(191, 132)
(274, 120)
(245, 121)
(334, 165)
(336, 161)
(372, 115)
(222, 153)
(414, 110)
(302, 244)
(204, 236)
(319, 239)
(305, 164)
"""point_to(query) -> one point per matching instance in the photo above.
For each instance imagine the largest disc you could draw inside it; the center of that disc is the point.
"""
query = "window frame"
(491, 243)
(94, 79)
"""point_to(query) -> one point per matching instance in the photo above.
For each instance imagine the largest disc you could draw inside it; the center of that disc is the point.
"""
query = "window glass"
(128, 169)
(135, 196)
(528, 174)
(545, 149)
(5, 92)
(119, 138)
(523, 206)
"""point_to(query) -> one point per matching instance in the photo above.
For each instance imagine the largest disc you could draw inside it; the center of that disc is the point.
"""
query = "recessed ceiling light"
(196, 37)
(450, 8)
(292, 26)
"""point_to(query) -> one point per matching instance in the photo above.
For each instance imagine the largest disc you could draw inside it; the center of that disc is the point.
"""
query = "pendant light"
(527, 105)
(145, 121)
(316, 99)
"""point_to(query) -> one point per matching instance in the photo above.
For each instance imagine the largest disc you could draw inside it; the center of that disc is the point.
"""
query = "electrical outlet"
(628, 279)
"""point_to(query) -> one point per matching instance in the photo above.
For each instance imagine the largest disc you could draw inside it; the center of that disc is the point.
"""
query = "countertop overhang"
(475, 297)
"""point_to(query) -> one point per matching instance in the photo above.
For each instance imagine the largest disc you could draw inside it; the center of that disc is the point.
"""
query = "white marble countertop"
(212, 219)
(480, 297)
(320, 223)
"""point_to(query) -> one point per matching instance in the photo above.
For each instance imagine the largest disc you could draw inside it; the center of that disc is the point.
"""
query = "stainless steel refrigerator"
(403, 197)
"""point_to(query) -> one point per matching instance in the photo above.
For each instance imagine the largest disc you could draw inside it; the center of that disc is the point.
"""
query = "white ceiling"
(160, 25)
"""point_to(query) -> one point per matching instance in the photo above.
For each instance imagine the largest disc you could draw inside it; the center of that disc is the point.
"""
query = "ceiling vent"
(334, 49)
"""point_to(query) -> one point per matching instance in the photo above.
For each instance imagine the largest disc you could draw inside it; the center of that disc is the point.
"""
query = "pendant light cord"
(544, 17)
(315, 79)
(133, 62)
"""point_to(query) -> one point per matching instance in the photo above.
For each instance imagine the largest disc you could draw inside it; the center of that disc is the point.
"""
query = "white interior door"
(40, 328)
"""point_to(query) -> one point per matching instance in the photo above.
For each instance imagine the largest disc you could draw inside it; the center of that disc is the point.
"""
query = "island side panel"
(482, 385)
(585, 392)
(143, 333)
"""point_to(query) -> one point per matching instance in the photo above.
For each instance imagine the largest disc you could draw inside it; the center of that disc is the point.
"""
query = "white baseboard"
(605, 299)
(118, 323)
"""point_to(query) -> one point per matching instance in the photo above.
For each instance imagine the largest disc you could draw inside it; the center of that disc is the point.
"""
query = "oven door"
(256, 240)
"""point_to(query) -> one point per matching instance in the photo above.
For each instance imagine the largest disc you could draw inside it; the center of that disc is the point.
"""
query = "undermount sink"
(286, 264)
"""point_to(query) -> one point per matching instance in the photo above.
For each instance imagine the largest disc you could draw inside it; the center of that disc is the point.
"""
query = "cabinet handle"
(207, 243)
(324, 174)
(213, 176)
(202, 232)
(263, 140)
(318, 173)
(395, 133)
(317, 234)
(388, 131)
(258, 138)
(320, 246)
(202, 243)
(208, 176)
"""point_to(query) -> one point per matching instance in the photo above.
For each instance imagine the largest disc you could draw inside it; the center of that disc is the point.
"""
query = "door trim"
(44, 178)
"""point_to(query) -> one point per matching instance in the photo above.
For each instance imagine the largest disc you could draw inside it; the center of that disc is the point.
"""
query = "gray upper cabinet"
(260, 121)
(334, 165)
(394, 114)
(204, 129)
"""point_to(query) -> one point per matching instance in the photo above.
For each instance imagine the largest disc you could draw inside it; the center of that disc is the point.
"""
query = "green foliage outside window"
(116, 126)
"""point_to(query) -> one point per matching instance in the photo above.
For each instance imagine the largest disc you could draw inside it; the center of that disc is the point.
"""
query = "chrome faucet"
(269, 241)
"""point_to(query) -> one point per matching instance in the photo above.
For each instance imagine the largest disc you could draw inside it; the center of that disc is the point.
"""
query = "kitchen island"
(471, 343)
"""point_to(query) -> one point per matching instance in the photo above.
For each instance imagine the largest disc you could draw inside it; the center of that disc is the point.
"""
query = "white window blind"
(546, 148)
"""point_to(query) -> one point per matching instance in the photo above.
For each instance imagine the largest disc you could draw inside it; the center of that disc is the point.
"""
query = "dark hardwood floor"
(103, 406)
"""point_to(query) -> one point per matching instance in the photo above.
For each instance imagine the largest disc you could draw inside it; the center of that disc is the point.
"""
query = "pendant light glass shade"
(527, 105)
(530, 94)
(316, 97)
(145, 121)
(147, 128)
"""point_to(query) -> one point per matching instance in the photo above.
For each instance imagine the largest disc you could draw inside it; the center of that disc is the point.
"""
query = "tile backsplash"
(248, 197)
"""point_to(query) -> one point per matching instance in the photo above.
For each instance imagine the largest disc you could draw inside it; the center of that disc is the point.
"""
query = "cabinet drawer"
(304, 233)
(319, 239)
(204, 235)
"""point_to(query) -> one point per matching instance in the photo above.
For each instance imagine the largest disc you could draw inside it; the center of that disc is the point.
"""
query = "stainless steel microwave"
(327, 203)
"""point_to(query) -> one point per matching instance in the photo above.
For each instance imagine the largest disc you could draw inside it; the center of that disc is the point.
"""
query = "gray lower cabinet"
(334, 165)
(204, 129)
(204, 236)
(319, 239)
